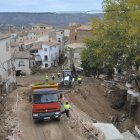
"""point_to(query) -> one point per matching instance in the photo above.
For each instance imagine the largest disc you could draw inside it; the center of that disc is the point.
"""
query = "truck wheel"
(36, 121)
(57, 119)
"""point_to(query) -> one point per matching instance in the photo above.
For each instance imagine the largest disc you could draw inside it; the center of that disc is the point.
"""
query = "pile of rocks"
(83, 125)
(9, 128)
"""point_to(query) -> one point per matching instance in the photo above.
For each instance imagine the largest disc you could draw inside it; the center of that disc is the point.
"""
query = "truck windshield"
(45, 98)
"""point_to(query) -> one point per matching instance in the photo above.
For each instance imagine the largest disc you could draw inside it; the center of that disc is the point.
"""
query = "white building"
(67, 32)
(45, 54)
(32, 35)
(58, 36)
(21, 62)
(7, 73)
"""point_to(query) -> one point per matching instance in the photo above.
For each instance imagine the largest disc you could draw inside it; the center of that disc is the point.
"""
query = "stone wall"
(73, 33)
(82, 35)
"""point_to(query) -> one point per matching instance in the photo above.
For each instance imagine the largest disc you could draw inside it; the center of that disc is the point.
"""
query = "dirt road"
(51, 130)
(88, 103)
(26, 129)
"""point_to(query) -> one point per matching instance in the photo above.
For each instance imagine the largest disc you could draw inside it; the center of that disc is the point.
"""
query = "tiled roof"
(42, 25)
(76, 45)
(85, 27)
(28, 42)
(4, 36)
(38, 45)
(20, 54)
(50, 43)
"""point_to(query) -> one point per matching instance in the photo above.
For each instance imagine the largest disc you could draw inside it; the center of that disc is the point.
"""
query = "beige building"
(42, 26)
(79, 33)
(74, 54)
(73, 32)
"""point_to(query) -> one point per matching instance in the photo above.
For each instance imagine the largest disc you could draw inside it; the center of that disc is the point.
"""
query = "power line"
(101, 11)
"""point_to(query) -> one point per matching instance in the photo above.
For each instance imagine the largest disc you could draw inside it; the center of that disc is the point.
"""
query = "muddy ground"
(89, 104)
(91, 99)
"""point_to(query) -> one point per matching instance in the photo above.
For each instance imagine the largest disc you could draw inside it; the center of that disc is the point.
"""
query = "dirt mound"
(91, 99)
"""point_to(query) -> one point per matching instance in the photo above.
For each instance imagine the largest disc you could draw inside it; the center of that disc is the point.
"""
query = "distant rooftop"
(76, 45)
(50, 43)
(85, 27)
(74, 24)
(42, 25)
(4, 36)
(38, 45)
(40, 31)
(28, 42)
(20, 54)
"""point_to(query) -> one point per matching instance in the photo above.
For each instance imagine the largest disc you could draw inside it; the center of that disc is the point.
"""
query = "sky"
(49, 5)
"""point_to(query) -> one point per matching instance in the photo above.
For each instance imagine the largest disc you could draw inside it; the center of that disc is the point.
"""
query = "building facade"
(7, 72)
(79, 33)
(22, 62)
(74, 54)
(45, 54)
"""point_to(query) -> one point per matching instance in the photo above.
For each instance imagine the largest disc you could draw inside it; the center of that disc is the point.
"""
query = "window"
(45, 49)
(34, 51)
(21, 63)
(45, 98)
(46, 65)
(75, 37)
(59, 40)
(46, 57)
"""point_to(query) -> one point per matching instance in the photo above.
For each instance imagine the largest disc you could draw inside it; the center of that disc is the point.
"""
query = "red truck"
(46, 105)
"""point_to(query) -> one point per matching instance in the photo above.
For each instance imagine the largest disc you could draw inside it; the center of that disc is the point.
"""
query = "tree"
(91, 57)
(116, 38)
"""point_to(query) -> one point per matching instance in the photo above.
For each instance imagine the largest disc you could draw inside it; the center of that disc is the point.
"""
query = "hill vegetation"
(55, 19)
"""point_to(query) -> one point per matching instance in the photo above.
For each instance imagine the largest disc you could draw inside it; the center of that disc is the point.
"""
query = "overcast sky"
(49, 5)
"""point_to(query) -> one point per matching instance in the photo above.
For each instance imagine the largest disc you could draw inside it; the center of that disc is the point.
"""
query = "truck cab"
(46, 105)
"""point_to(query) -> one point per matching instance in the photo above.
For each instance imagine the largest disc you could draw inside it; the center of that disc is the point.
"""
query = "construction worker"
(53, 77)
(67, 107)
(46, 78)
(58, 74)
(79, 79)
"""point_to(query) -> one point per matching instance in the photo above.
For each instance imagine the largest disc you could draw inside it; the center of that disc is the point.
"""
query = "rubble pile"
(83, 125)
(9, 125)
(115, 93)
(81, 92)
(9, 129)
(36, 69)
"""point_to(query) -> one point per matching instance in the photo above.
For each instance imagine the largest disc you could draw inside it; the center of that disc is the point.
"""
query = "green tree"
(116, 38)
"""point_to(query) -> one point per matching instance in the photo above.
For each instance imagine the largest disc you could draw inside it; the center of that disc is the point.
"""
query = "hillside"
(55, 19)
